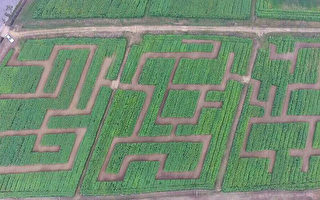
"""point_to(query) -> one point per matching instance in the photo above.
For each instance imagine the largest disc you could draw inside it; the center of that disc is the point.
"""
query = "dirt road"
(168, 28)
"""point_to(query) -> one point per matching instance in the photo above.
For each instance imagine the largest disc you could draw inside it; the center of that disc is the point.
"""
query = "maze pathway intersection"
(276, 145)
(71, 88)
(116, 168)
(204, 139)
(72, 110)
(312, 120)
(209, 146)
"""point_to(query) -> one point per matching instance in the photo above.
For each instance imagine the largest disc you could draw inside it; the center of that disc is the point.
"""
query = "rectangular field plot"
(289, 9)
(216, 9)
(52, 100)
(163, 132)
(89, 115)
(157, 122)
(277, 140)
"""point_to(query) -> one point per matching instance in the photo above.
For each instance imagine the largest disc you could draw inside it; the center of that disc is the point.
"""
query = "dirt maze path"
(312, 120)
(205, 140)
(72, 110)
(134, 138)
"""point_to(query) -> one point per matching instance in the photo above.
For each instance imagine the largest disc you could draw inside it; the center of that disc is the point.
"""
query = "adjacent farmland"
(277, 139)
(71, 9)
(289, 9)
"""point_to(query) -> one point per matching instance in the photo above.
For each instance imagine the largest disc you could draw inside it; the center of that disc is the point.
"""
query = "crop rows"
(52, 114)
(23, 113)
(220, 9)
(161, 120)
(187, 143)
(273, 9)
(276, 144)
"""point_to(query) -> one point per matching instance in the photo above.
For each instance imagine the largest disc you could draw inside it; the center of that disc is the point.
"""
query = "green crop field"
(71, 9)
(213, 122)
(270, 148)
(289, 9)
(28, 114)
(54, 102)
(80, 116)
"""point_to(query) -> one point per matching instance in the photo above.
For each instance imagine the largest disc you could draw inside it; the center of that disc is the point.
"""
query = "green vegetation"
(10, 155)
(174, 163)
(302, 4)
(209, 71)
(61, 9)
(120, 120)
(23, 114)
(126, 106)
(41, 50)
(289, 9)
(18, 79)
(197, 71)
(251, 174)
(161, 73)
(308, 102)
(216, 9)
(180, 103)
(243, 174)
(248, 174)
(214, 96)
(158, 76)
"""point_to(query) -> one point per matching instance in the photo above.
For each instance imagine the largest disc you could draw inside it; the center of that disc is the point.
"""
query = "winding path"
(72, 110)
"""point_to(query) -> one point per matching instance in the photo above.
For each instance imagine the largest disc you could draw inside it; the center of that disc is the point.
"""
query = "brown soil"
(140, 29)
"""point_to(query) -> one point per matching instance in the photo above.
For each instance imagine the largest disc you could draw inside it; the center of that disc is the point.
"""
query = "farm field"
(214, 9)
(277, 140)
(308, 10)
(160, 99)
(96, 117)
(188, 143)
(50, 114)
(58, 95)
